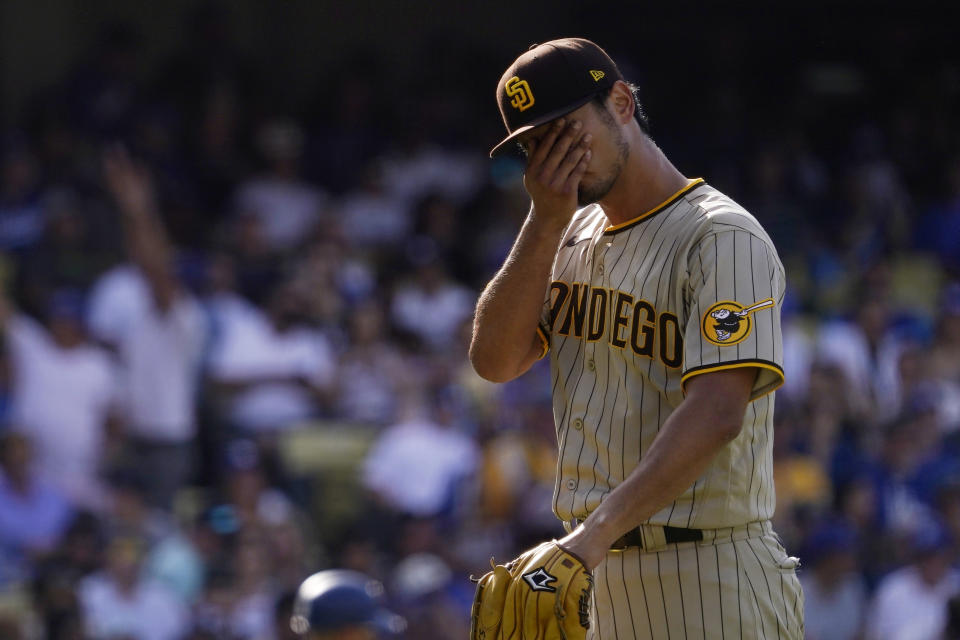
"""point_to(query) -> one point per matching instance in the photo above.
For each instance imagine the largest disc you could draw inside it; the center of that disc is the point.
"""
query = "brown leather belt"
(634, 538)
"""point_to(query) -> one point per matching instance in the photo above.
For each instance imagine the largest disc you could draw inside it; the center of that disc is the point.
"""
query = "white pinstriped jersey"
(633, 312)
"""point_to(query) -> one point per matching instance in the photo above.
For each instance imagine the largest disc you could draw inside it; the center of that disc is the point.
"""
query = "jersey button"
(600, 268)
(591, 365)
(578, 424)
(571, 484)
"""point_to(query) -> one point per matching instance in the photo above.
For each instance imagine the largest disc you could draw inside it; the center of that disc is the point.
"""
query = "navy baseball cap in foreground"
(550, 80)
(338, 598)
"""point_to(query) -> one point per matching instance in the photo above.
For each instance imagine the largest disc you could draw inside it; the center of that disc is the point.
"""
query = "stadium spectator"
(835, 596)
(33, 513)
(430, 305)
(255, 588)
(263, 513)
(425, 593)
(71, 253)
(271, 368)
(119, 602)
(373, 374)
(397, 470)
(287, 208)
(63, 395)
(867, 351)
(912, 602)
(54, 588)
(370, 216)
(157, 329)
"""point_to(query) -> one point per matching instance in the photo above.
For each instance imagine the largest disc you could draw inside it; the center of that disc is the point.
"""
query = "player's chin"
(589, 194)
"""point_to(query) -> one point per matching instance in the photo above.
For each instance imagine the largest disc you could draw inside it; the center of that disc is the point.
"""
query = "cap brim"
(553, 115)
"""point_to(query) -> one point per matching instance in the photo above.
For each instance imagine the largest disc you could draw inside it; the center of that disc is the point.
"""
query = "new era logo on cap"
(597, 75)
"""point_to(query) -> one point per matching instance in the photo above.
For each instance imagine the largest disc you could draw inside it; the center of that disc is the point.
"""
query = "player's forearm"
(681, 453)
(508, 310)
(708, 419)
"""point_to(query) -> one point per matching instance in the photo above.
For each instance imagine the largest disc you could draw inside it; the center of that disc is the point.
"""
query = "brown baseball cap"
(550, 80)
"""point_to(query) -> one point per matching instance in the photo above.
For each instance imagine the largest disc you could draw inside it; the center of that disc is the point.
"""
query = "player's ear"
(621, 102)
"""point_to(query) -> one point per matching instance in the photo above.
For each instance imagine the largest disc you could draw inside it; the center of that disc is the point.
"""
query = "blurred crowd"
(235, 353)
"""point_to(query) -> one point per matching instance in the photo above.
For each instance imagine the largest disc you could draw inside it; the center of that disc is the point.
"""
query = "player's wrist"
(589, 542)
(604, 527)
(549, 223)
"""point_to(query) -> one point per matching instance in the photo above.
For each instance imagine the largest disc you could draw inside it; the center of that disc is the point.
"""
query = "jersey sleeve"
(734, 294)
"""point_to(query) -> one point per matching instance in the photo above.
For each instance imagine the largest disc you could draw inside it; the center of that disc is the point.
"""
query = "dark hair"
(638, 112)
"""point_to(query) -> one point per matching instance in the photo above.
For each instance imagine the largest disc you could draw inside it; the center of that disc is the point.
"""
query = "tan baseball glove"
(544, 594)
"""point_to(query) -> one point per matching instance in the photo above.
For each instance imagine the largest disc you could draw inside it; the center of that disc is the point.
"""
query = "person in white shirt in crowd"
(222, 301)
(372, 373)
(158, 330)
(911, 603)
(63, 395)
(419, 465)
(271, 368)
(119, 602)
(868, 353)
(430, 305)
(288, 208)
(370, 216)
(426, 592)
(416, 167)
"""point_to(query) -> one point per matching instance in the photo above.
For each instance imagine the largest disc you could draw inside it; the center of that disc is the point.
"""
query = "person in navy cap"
(338, 604)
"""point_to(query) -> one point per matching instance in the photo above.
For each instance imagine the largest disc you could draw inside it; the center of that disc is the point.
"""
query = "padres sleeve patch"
(727, 323)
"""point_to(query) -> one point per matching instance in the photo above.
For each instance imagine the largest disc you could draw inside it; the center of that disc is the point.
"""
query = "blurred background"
(240, 244)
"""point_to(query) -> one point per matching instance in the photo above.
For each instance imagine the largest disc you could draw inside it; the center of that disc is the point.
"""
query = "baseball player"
(339, 604)
(658, 299)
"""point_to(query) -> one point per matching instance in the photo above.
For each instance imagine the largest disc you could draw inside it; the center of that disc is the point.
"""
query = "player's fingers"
(559, 151)
(546, 143)
(573, 180)
(570, 161)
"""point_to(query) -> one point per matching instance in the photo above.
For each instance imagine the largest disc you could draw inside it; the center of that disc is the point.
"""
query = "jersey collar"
(617, 228)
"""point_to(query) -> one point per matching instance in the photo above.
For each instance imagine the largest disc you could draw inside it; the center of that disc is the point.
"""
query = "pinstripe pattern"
(625, 320)
(741, 588)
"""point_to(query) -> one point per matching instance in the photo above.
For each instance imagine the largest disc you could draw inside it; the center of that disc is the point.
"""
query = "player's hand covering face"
(558, 154)
(581, 154)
